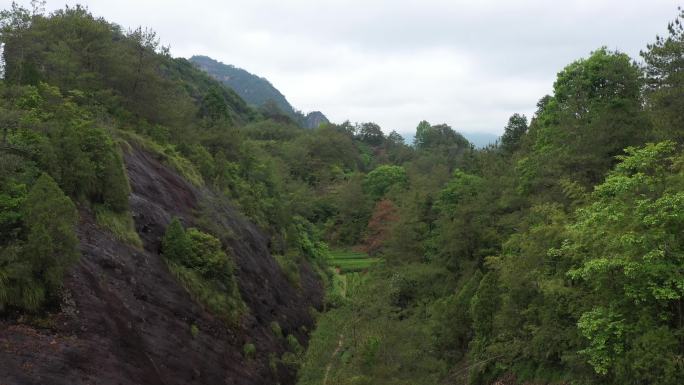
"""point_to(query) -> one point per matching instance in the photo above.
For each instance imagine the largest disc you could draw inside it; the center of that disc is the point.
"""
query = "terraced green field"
(351, 261)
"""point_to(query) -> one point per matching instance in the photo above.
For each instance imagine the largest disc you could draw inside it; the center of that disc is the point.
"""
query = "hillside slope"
(127, 320)
(253, 89)
(256, 90)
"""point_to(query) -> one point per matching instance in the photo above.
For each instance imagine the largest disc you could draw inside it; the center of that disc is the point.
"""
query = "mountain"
(256, 90)
(157, 229)
(314, 119)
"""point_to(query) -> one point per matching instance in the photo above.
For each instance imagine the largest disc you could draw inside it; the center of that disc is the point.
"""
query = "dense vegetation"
(555, 255)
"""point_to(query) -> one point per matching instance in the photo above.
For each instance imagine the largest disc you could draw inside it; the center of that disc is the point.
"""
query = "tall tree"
(32, 274)
(379, 226)
(664, 69)
(595, 112)
(513, 132)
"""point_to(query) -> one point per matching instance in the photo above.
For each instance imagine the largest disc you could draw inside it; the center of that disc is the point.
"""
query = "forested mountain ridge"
(257, 91)
(253, 89)
(156, 228)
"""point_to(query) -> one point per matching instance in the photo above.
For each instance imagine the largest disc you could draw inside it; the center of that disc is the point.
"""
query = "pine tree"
(33, 274)
(176, 245)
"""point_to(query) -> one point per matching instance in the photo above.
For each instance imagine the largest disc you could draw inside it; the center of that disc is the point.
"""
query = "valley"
(176, 221)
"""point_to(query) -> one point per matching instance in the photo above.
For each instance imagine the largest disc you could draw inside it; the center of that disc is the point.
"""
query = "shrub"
(293, 344)
(249, 351)
(119, 223)
(199, 262)
(290, 268)
(275, 328)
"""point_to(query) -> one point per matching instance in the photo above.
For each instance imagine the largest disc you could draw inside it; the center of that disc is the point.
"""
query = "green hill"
(257, 91)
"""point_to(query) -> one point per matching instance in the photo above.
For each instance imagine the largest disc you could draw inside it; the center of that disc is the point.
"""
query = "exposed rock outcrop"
(127, 320)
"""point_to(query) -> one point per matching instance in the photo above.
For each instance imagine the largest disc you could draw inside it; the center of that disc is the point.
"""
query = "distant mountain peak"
(315, 119)
(256, 90)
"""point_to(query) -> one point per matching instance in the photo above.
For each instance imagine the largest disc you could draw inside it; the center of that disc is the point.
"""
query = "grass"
(347, 254)
(120, 224)
(291, 270)
(354, 265)
(351, 261)
(220, 300)
(167, 154)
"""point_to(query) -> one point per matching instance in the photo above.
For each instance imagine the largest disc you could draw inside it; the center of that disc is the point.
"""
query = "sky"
(469, 64)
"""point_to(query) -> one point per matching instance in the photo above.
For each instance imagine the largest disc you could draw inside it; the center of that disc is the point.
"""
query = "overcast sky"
(470, 64)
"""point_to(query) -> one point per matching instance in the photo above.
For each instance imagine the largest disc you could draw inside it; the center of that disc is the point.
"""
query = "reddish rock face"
(127, 320)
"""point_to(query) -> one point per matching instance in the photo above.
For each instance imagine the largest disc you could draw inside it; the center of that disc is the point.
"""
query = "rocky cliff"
(125, 319)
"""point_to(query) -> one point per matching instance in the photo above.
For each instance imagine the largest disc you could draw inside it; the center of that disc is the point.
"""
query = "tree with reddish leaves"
(379, 226)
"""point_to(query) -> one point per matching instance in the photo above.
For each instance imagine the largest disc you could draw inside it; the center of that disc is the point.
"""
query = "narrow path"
(332, 356)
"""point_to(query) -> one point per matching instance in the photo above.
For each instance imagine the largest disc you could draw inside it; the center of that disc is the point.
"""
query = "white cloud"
(470, 64)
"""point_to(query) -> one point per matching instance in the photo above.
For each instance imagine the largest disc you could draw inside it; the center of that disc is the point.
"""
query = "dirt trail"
(332, 357)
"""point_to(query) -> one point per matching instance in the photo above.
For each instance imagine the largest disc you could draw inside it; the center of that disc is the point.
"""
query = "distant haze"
(470, 64)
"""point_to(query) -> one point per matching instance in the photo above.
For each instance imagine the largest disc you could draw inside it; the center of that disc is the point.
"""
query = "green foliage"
(304, 240)
(379, 181)
(582, 265)
(514, 132)
(249, 351)
(442, 139)
(451, 322)
(626, 244)
(194, 331)
(483, 306)
(347, 224)
(290, 268)
(293, 344)
(275, 328)
(176, 244)
(336, 289)
(594, 114)
(167, 154)
(120, 224)
(31, 270)
(91, 167)
(605, 330)
(62, 138)
(664, 61)
(199, 262)
(464, 221)
(371, 134)
(351, 261)
(12, 199)
(369, 340)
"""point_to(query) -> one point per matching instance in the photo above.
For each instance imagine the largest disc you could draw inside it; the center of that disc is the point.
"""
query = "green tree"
(627, 245)
(379, 181)
(664, 71)
(513, 132)
(594, 114)
(422, 132)
(371, 134)
(176, 245)
(451, 322)
(32, 273)
(484, 305)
